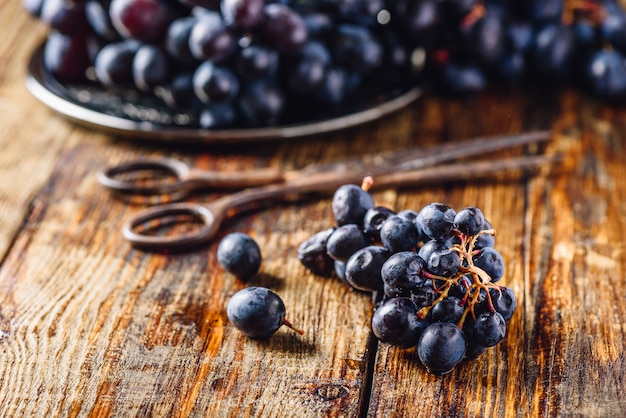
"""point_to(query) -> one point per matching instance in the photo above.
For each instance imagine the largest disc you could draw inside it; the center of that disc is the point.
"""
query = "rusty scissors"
(258, 188)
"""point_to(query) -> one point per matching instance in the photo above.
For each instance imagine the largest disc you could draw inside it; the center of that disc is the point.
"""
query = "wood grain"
(92, 327)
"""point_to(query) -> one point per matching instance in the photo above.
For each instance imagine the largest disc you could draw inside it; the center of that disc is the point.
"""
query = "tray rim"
(145, 130)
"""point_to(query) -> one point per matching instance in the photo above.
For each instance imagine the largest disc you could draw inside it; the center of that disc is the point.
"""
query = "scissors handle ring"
(210, 222)
(178, 168)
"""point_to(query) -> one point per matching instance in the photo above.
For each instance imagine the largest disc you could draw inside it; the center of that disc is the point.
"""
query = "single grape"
(441, 347)
(217, 116)
(445, 263)
(462, 79)
(284, 28)
(489, 329)
(430, 247)
(398, 270)
(504, 301)
(33, 7)
(256, 61)
(313, 255)
(447, 310)
(308, 71)
(399, 234)
(435, 220)
(553, 52)
(151, 67)
(395, 322)
(355, 48)
(363, 268)
(607, 74)
(257, 312)
(214, 84)
(262, 103)
(210, 39)
(114, 63)
(469, 220)
(179, 93)
(239, 254)
(63, 16)
(350, 203)
(485, 240)
(345, 241)
(490, 260)
(242, 14)
(66, 57)
(176, 41)
(143, 20)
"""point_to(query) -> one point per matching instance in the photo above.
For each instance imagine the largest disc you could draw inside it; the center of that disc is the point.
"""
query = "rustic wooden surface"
(92, 327)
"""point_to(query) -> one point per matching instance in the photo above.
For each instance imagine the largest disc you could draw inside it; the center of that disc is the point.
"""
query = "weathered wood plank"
(92, 327)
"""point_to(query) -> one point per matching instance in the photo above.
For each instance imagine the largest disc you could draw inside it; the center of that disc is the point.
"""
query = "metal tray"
(128, 113)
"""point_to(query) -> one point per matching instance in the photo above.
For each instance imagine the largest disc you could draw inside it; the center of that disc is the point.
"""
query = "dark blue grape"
(441, 347)
(217, 116)
(447, 310)
(262, 103)
(214, 84)
(312, 253)
(67, 17)
(176, 41)
(423, 296)
(398, 272)
(490, 260)
(399, 234)
(114, 63)
(613, 28)
(257, 312)
(350, 203)
(469, 220)
(345, 241)
(444, 263)
(364, 266)
(374, 219)
(553, 52)
(355, 48)
(239, 254)
(66, 57)
(151, 67)
(256, 61)
(463, 79)
(284, 28)
(210, 39)
(607, 74)
(308, 72)
(485, 240)
(542, 11)
(485, 39)
(504, 301)
(395, 322)
(435, 220)
(489, 329)
(179, 93)
(143, 20)
(431, 247)
(97, 15)
(242, 14)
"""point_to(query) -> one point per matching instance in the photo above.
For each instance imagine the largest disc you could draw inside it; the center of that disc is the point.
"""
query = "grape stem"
(289, 325)
(480, 279)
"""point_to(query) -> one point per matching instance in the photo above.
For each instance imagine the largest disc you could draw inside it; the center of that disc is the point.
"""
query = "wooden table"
(90, 326)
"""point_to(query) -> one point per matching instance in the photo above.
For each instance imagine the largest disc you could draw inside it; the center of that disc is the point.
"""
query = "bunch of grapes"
(239, 63)
(436, 269)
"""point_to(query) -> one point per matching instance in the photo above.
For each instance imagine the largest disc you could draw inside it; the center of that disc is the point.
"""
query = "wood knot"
(331, 392)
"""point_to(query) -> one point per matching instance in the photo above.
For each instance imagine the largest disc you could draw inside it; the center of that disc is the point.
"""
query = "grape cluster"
(266, 62)
(436, 269)
(242, 63)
